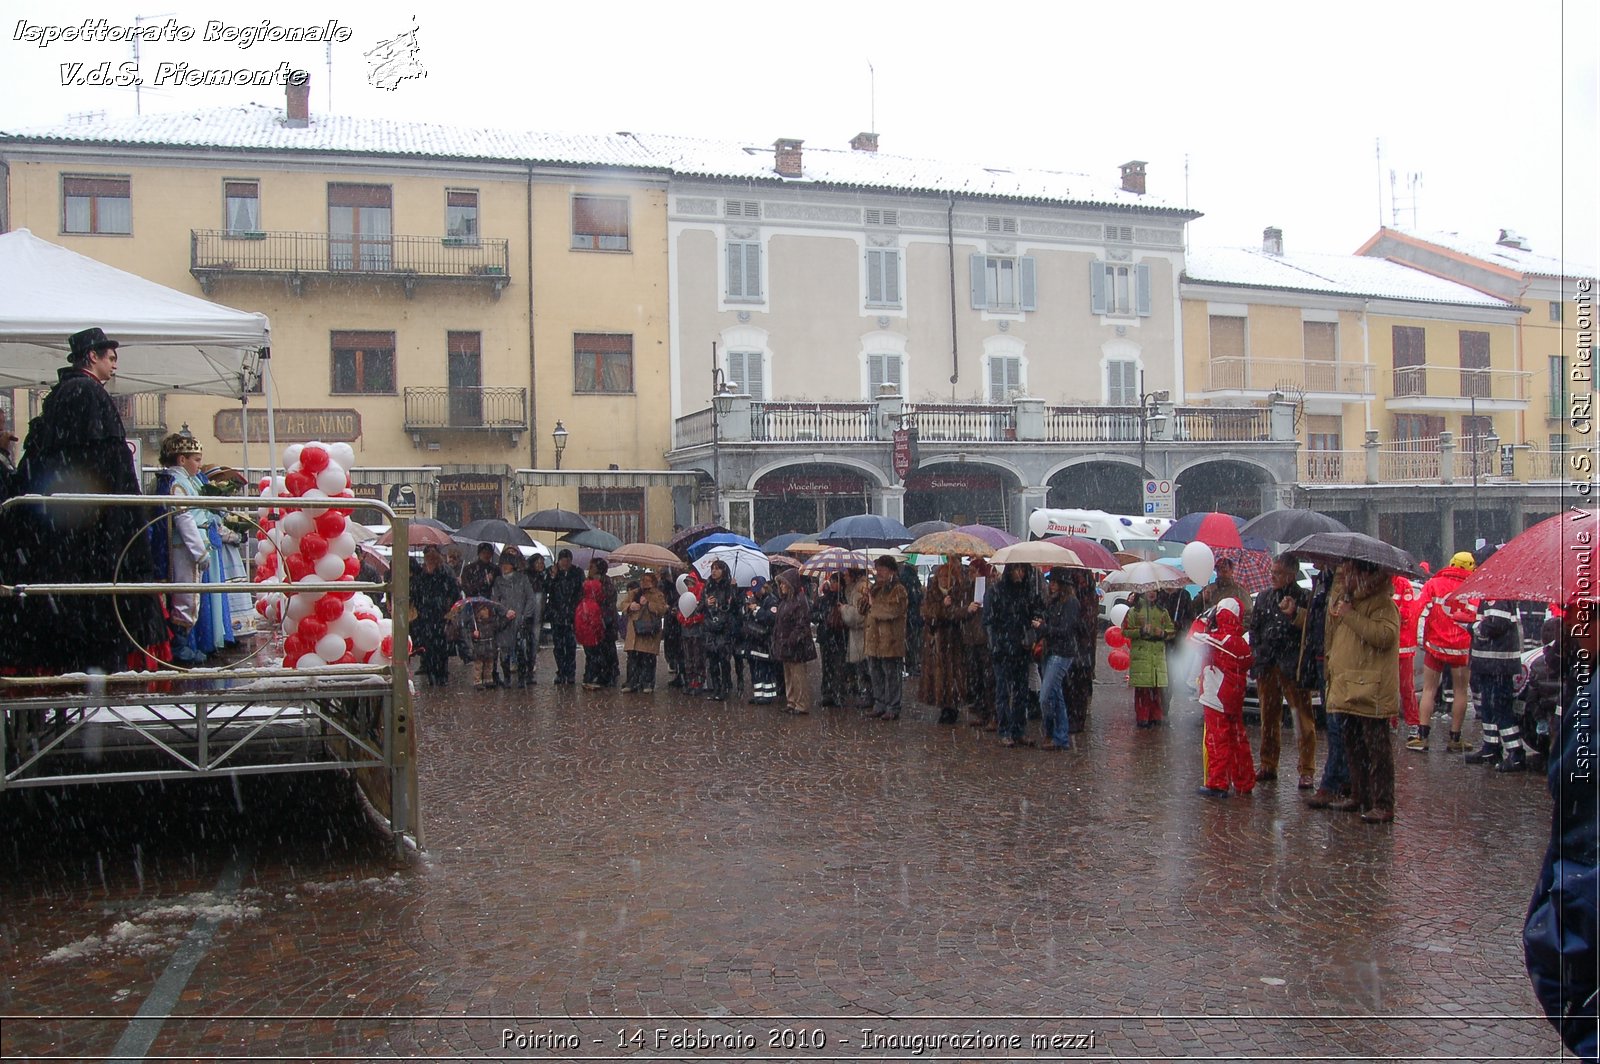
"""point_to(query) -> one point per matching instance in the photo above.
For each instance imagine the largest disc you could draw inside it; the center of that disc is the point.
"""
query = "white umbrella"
(1145, 576)
(744, 563)
(1036, 552)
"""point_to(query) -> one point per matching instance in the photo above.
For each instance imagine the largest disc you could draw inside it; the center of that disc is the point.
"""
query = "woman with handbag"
(646, 609)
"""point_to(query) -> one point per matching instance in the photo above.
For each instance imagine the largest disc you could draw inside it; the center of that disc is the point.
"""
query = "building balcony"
(1326, 386)
(217, 255)
(1440, 389)
(434, 412)
(1445, 460)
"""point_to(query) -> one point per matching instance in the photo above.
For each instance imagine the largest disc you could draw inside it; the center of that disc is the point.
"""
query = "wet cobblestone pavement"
(659, 878)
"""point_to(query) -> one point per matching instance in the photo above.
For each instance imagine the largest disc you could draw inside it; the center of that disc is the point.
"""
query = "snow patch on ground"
(157, 927)
(392, 884)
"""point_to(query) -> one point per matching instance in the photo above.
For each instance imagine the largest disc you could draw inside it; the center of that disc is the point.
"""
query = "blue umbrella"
(779, 544)
(863, 531)
(721, 539)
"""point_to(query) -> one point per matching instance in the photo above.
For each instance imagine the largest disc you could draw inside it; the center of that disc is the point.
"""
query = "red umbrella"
(1551, 562)
(1089, 552)
(1213, 529)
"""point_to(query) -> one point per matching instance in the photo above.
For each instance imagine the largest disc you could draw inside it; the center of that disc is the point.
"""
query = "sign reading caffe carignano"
(292, 426)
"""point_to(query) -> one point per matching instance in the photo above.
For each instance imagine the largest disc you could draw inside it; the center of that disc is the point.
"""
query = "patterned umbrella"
(1252, 569)
(949, 544)
(782, 561)
(995, 537)
(1145, 576)
(835, 560)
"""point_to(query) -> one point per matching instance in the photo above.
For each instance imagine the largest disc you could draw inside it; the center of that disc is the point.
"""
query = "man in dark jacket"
(563, 592)
(1009, 612)
(1559, 937)
(1277, 629)
(1496, 657)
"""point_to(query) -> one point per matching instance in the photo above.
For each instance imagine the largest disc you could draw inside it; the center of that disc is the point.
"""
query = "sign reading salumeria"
(292, 426)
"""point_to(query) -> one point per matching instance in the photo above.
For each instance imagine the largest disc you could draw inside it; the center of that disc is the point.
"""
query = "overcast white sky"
(1276, 108)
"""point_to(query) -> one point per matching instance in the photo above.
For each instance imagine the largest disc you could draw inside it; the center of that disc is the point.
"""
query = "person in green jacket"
(1149, 629)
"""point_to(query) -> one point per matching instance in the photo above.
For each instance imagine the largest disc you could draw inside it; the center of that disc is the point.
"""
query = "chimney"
(864, 142)
(299, 88)
(788, 152)
(1133, 177)
(1272, 240)
(1510, 239)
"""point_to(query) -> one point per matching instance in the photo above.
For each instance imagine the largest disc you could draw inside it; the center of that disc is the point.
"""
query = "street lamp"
(1150, 416)
(722, 394)
(1478, 443)
(559, 436)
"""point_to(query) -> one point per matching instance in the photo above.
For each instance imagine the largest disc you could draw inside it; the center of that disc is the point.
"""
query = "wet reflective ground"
(781, 888)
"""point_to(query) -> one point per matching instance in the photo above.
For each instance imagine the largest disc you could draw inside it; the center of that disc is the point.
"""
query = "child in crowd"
(1224, 666)
(485, 628)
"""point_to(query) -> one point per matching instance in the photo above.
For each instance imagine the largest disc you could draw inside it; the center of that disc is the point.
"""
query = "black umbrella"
(557, 520)
(493, 530)
(594, 539)
(429, 522)
(865, 530)
(1356, 547)
(680, 542)
(1289, 524)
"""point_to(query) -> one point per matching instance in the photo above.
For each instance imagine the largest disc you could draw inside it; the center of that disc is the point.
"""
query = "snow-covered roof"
(1525, 262)
(1349, 275)
(256, 127)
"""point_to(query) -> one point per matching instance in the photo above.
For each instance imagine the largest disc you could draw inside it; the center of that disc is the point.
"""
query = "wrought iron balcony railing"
(217, 254)
(467, 409)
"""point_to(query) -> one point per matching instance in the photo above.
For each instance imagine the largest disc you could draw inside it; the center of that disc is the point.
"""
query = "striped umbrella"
(834, 560)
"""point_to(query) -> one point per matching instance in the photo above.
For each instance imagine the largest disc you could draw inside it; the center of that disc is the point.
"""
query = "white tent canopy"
(170, 341)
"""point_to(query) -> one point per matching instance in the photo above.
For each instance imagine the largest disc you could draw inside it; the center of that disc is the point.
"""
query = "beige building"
(441, 298)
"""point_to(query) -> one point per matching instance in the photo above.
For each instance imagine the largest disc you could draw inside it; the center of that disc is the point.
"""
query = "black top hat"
(88, 340)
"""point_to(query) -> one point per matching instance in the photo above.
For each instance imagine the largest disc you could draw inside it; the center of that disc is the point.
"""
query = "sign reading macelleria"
(291, 426)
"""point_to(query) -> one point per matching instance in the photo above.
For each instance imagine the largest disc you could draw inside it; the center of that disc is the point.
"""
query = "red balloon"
(299, 566)
(341, 595)
(313, 545)
(330, 524)
(297, 484)
(329, 609)
(367, 615)
(1115, 638)
(348, 659)
(352, 568)
(386, 646)
(264, 573)
(313, 460)
(290, 660)
(1118, 659)
(312, 628)
(294, 646)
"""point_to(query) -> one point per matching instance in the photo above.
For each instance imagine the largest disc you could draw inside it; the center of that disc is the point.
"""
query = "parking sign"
(1158, 499)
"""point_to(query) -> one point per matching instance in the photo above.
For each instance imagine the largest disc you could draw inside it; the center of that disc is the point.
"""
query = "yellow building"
(1409, 387)
(441, 298)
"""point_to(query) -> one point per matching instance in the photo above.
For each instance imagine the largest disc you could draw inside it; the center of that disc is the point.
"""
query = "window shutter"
(735, 269)
(997, 380)
(1025, 281)
(1143, 295)
(980, 283)
(891, 276)
(875, 276)
(874, 374)
(1097, 288)
(752, 270)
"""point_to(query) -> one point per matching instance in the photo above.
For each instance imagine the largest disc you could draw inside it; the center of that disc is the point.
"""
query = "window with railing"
(1410, 352)
(241, 207)
(1474, 364)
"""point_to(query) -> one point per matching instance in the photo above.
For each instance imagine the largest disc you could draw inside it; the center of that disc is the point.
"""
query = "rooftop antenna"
(872, 97)
(1413, 194)
(140, 20)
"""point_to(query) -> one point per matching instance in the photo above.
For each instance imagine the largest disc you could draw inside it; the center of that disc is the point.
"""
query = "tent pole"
(272, 426)
(244, 435)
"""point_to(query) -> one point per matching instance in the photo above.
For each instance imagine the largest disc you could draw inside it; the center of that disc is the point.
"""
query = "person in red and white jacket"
(1408, 602)
(1224, 673)
(1444, 632)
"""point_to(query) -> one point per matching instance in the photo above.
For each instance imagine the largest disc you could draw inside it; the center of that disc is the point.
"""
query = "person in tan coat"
(1363, 668)
(884, 607)
(943, 679)
(643, 616)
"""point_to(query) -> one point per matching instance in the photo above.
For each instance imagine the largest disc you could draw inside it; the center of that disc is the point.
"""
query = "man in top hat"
(78, 444)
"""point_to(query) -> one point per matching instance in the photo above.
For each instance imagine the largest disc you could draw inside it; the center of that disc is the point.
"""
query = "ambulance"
(1115, 532)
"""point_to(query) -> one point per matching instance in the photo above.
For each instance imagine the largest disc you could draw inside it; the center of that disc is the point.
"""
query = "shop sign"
(290, 426)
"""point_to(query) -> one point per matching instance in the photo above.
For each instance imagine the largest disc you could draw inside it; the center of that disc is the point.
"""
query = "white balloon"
(280, 486)
(311, 661)
(315, 493)
(1118, 613)
(291, 625)
(1038, 522)
(332, 479)
(330, 568)
(291, 454)
(683, 584)
(1199, 562)
(342, 453)
(344, 625)
(299, 606)
(266, 548)
(330, 647)
(386, 627)
(289, 545)
(310, 578)
(342, 546)
(366, 637)
(377, 657)
(362, 601)
(686, 603)
(297, 524)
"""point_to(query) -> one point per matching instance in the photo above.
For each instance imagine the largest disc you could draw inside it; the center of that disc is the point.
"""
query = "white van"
(1115, 532)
